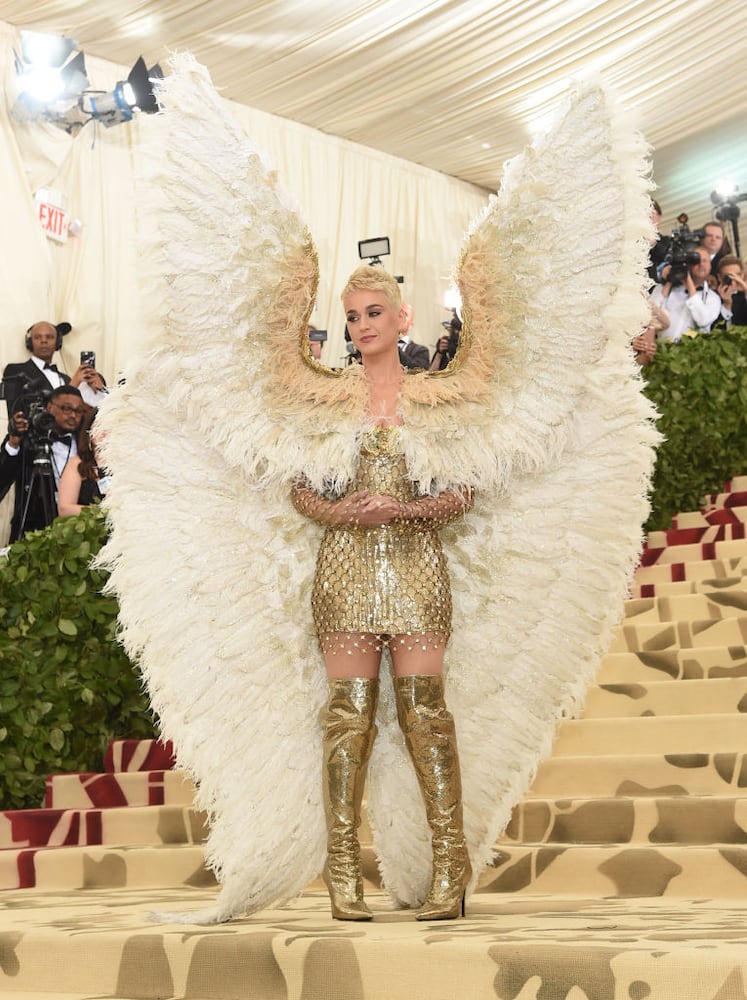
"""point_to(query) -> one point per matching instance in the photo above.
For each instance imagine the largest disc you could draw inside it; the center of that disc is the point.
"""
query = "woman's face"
(443, 343)
(373, 323)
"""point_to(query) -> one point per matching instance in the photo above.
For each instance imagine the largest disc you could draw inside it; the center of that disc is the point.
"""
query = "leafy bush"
(66, 686)
(699, 387)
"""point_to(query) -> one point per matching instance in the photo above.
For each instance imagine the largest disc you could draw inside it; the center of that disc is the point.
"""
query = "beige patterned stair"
(105, 867)
(661, 819)
(658, 698)
(686, 872)
(698, 551)
(706, 585)
(716, 733)
(646, 793)
(687, 607)
(679, 634)
(126, 826)
(694, 569)
(136, 788)
(632, 666)
(642, 774)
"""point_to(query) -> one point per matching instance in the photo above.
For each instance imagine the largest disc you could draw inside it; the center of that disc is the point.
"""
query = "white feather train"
(542, 414)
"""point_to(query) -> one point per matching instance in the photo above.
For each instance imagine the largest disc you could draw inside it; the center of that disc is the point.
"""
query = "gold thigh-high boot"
(431, 739)
(348, 738)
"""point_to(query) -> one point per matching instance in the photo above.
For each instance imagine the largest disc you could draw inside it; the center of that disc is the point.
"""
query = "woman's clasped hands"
(369, 510)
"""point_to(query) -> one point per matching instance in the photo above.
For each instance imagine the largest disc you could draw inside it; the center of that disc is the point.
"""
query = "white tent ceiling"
(456, 85)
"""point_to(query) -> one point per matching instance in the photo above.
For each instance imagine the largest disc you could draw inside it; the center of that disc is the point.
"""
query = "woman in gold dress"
(540, 413)
(381, 579)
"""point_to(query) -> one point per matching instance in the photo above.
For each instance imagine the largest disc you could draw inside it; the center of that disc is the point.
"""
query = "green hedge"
(66, 686)
(699, 387)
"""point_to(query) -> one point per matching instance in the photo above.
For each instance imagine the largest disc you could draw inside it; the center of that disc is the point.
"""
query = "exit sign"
(51, 211)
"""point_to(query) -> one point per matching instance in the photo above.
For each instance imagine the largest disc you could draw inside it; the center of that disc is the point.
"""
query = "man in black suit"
(715, 241)
(38, 374)
(41, 440)
(411, 355)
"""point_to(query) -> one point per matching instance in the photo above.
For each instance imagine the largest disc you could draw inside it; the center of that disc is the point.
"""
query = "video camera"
(32, 403)
(36, 484)
(682, 251)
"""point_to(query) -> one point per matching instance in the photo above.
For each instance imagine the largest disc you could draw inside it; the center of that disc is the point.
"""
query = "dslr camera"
(682, 252)
(34, 407)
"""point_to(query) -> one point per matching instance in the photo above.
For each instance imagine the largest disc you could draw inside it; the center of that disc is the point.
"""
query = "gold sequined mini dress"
(389, 580)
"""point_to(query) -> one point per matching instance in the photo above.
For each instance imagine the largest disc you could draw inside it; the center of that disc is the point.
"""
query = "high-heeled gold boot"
(348, 738)
(431, 739)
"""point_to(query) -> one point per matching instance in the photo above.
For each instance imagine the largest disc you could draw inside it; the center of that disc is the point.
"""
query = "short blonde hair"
(375, 279)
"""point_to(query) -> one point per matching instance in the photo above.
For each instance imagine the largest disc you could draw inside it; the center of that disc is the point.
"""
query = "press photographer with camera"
(660, 247)
(441, 356)
(447, 344)
(731, 287)
(40, 442)
(685, 293)
(38, 373)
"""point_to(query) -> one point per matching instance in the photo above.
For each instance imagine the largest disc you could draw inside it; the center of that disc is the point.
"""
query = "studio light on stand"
(53, 87)
(130, 95)
(50, 78)
(725, 197)
(373, 250)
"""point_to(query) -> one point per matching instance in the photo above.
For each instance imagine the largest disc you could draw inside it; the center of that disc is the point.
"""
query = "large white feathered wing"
(207, 555)
(543, 414)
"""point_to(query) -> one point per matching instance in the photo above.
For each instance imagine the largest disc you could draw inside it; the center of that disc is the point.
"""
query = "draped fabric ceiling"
(455, 85)
(387, 118)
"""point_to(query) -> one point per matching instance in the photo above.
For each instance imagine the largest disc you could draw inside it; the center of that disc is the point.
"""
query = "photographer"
(661, 247)
(715, 241)
(442, 355)
(447, 345)
(40, 442)
(39, 374)
(686, 295)
(731, 287)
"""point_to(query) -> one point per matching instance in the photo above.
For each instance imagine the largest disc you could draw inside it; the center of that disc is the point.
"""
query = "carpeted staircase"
(622, 875)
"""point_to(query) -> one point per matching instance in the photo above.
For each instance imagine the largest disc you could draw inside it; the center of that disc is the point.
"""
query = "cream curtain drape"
(346, 193)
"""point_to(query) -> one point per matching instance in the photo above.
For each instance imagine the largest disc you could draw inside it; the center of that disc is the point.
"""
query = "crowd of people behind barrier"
(698, 286)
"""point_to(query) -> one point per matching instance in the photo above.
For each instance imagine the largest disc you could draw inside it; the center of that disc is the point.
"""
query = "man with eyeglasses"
(38, 446)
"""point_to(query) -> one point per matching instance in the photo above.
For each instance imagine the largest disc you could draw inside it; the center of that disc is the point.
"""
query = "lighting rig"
(53, 86)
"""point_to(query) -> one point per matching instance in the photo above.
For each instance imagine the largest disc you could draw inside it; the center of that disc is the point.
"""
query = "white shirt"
(90, 396)
(687, 312)
(53, 377)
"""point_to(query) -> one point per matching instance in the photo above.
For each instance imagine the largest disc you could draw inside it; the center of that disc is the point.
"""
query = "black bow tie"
(62, 438)
(51, 368)
(401, 343)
